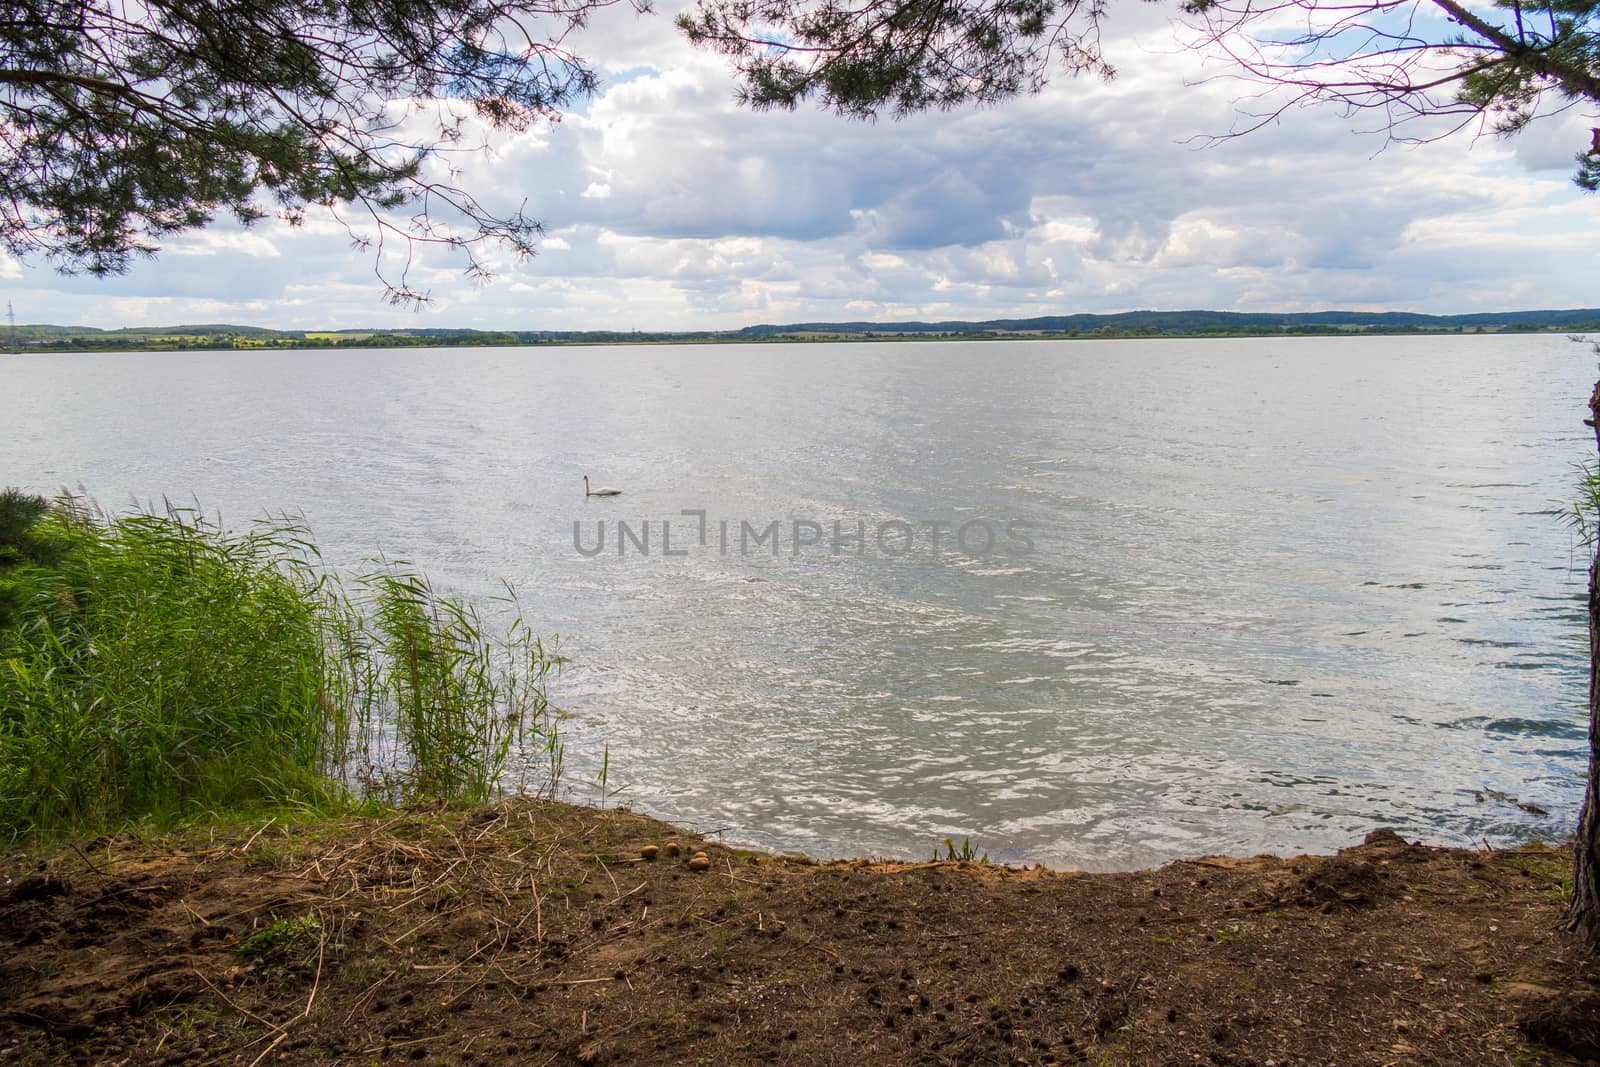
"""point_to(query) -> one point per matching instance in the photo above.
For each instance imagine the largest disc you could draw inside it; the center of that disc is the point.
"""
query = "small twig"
(401, 1044)
(615, 888)
(822, 948)
(460, 964)
(629, 893)
(366, 994)
(92, 865)
(322, 940)
(258, 833)
(268, 1050)
(396, 942)
(452, 998)
(735, 877)
(231, 1004)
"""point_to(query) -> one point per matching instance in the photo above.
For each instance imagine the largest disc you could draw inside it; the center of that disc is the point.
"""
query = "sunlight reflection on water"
(1281, 591)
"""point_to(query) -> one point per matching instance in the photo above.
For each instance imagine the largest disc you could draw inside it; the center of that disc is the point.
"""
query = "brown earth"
(535, 933)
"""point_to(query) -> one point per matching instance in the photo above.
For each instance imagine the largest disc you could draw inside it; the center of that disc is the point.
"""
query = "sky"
(667, 206)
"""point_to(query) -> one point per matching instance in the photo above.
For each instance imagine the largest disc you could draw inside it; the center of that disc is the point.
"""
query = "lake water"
(1211, 596)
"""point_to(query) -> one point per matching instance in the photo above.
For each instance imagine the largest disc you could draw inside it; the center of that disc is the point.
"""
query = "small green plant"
(609, 790)
(965, 854)
(1230, 933)
(280, 935)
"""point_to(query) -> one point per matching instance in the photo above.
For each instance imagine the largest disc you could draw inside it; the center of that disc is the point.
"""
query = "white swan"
(598, 492)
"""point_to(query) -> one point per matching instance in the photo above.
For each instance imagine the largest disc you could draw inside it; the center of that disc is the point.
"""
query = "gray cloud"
(669, 207)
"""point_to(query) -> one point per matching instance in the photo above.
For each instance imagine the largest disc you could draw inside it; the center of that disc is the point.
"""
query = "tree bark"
(1583, 914)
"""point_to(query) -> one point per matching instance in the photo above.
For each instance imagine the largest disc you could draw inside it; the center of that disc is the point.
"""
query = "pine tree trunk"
(1583, 915)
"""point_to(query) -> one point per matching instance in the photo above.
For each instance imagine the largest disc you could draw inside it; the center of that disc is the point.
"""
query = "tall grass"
(1583, 513)
(441, 706)
(155, 668)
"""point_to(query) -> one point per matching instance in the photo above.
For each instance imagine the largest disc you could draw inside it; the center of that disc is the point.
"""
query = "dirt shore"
(537, 933)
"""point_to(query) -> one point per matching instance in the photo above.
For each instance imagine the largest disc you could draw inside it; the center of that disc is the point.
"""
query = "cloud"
(667, 206)
(223, 241)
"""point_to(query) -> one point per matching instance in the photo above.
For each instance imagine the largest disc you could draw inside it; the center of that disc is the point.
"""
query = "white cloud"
(214, 241)
(669, 207)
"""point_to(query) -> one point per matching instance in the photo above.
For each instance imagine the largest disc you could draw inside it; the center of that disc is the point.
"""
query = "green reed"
(1582, 513)
(457, 700)
(157, 668)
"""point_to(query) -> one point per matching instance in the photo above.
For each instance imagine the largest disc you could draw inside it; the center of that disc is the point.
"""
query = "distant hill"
(1192, 322)
(206, 330)
(31, 332)
(1122, 324)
